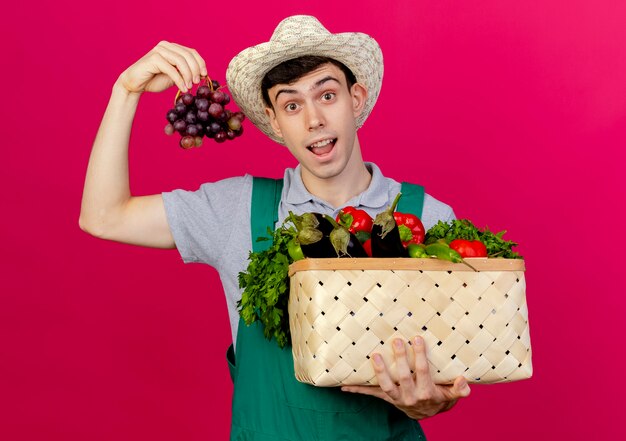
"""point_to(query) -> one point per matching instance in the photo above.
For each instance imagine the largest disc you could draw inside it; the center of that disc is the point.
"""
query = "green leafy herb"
(465, 229)
(265, 285)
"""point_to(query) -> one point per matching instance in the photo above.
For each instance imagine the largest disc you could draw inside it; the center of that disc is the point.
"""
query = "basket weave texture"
(474, 324)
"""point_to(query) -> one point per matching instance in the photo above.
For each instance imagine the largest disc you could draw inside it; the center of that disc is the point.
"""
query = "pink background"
(512, 112)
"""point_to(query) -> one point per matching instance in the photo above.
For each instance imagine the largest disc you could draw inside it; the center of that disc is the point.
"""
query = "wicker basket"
(474, 324)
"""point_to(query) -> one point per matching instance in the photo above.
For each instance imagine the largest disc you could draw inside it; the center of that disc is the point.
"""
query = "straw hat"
(295, 37)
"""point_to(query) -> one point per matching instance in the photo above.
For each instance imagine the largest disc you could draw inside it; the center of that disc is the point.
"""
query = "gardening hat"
(295, 37)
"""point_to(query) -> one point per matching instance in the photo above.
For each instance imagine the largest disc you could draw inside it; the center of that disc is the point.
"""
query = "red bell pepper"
(359, 223)
(355, 220)
(410, 227)
(469, 248)
(367, 246)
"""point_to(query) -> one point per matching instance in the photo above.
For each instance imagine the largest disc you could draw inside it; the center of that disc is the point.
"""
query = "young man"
(309, 90)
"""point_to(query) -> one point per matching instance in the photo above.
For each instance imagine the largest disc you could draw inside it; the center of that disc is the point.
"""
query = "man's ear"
(359, 95)
(272, 117)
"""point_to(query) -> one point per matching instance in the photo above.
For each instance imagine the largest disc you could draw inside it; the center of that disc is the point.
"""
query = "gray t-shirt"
(212, 225)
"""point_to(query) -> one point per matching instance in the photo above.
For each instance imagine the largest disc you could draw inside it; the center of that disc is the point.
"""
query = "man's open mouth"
(322, 147)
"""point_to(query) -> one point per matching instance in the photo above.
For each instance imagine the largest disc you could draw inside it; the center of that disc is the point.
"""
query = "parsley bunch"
(464, 229)
(266, 287)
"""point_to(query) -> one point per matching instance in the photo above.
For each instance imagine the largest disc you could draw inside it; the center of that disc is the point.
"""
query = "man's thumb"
(462, 388)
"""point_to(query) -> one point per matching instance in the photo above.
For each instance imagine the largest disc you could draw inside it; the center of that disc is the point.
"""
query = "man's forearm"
(107, 187)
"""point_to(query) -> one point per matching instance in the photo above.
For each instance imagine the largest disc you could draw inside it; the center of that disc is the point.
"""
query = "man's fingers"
(425, 399)
(191, 59)
(460, 388)
(165, 67)
(177, 59)
(374, 391)
(453, 392)
(403, 371)
(202, 70)
(384, 379)
(425, 385)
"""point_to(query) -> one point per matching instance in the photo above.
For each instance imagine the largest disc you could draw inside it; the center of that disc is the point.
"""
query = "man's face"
(316, 117)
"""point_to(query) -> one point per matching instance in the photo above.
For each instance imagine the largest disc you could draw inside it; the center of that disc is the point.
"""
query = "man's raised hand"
(165, 65)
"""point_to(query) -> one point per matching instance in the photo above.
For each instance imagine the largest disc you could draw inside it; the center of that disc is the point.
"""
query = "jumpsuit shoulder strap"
(266, 194)
(412, 200)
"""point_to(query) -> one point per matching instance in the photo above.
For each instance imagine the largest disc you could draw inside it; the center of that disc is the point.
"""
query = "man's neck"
(354, 180)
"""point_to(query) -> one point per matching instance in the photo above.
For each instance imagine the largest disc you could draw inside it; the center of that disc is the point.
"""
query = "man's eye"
(328, 96)
(291, 107)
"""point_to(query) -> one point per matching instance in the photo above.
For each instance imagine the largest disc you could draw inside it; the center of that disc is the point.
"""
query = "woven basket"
(474, 324)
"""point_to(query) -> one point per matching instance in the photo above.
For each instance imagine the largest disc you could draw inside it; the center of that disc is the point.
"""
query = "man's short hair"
(291, 71)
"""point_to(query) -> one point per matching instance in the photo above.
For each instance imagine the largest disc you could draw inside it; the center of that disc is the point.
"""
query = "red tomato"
(469, 248)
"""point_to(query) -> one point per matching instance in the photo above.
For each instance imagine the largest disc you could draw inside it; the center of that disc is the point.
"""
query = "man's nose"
(315, 118)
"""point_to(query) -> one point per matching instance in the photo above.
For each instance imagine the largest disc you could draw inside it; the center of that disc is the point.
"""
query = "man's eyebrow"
(324, 80)
(284, 91)
(317, 85)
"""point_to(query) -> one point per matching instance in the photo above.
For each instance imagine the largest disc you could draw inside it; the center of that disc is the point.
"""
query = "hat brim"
(357, 51)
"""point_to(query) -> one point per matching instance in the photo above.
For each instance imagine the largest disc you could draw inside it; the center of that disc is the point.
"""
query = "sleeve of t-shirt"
(202, 221)
(435, 211)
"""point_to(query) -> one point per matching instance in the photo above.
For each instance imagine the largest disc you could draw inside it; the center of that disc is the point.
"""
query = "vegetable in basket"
(417, 251)
(344, 242)
(360, 223)
(385, 234)
(442, 250)
(355, 220)
(265, 285)
(410, 228)
(295, 250)
(465, 229)
(312, 234)
(265, 282)
(469, 248)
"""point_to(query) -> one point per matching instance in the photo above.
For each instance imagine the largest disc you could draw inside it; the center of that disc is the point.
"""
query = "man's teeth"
(321, 143)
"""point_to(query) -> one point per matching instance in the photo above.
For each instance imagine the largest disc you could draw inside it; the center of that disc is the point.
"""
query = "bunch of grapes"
(204, 114)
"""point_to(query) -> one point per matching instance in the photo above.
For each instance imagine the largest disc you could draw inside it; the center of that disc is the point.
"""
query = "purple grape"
(215, 110)
(217, 96)
(226, 99)
(191, 117)
(187, 99)
(191, 130)
(215, 84)
(238, 132)
(220, 136)
(203, 115)
(203, 92)
(171, 116)
(215, 127)
(200, 128)
(202, 104)
(230, 134)
(180, 108)
(180, 126)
